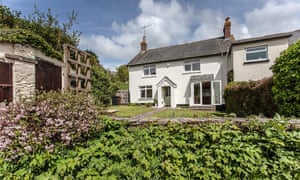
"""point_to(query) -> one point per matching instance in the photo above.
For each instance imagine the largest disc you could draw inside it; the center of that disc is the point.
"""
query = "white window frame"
(191, 63)
(213, 100)
(148, 68)
(145, 89)
(257, 49)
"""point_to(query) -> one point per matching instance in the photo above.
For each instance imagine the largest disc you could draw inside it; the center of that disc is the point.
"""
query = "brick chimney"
(143, 44)
(227, 29)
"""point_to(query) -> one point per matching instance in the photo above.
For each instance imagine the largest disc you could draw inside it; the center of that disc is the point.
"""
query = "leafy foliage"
(286, 81)
(22, 36)
(248, 98)
(102, 88)
(122, 74)
(207, 151)
(40, 24)
(48, 119)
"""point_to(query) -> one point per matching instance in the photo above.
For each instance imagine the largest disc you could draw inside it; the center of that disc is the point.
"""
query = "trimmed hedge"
(286, 87)
(248, 98)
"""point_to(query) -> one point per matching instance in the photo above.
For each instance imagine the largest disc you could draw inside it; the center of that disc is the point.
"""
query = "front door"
(166, 94)
(6, 82)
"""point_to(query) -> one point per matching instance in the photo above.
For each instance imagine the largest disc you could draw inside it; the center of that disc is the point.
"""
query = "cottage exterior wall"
(256, 70)
(174, 70)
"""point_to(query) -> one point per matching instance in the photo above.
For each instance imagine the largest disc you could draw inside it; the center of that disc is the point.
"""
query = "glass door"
(197, 93)
(206, 93)
(166, 92)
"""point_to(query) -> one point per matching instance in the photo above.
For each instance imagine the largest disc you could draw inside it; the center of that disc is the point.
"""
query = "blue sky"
(112, 28)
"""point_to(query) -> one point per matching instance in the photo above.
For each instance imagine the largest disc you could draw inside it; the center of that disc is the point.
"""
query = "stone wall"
(23, 80)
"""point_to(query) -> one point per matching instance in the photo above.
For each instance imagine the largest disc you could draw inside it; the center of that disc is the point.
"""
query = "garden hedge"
(250, 98)
(287, 81)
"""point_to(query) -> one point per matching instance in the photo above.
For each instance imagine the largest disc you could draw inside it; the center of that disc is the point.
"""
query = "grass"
(130, 111)
(185, 113)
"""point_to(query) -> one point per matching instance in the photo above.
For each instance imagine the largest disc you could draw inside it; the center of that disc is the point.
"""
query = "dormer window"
(192, 66)
(256, 54)
(149, 70)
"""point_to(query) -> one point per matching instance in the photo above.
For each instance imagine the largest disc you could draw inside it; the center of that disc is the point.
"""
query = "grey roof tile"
(202, 48)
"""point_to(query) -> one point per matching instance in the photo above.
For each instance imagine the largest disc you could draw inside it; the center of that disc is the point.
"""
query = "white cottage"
(192, 74)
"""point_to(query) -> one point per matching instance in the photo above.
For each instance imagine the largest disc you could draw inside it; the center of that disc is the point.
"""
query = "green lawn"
(185, 113)
(130, 111)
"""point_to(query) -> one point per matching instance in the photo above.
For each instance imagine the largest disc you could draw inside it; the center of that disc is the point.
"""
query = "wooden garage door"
(48, 76)
(5, 82)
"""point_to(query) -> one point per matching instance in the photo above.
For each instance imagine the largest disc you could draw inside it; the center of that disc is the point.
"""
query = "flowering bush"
(48, 119)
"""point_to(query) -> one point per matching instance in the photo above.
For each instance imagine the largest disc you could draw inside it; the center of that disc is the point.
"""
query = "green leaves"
(24, 37)
(286, 87)
(208, 151)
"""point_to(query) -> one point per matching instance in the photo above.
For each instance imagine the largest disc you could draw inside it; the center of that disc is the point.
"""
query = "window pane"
(257, 49)
(146, 71)
(149, 93)
(187, 67)
(143, 95)
(217, 89)
(197, 93)
(153, 71)
(196, 66)
(257, 53)
(256, 56)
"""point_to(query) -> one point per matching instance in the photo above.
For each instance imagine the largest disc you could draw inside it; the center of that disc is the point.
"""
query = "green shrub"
(287, 81)
(24, 37)
(48, 119)
(248, 98)
(174, 151)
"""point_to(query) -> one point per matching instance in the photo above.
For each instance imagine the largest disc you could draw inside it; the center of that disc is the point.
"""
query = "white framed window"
(192, 66)
(255, 54)
(150, 70)
(146, 92)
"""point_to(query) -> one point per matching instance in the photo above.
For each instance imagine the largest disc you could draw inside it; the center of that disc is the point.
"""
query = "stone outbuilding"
(24, 69)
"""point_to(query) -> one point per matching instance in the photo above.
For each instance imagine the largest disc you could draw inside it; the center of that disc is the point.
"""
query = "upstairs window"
(256, 54)
(193, 66)
(149, 70)
(146, 92)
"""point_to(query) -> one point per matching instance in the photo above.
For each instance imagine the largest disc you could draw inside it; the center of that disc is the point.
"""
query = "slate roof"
(209, 47)
(266, 37)
(202, 48)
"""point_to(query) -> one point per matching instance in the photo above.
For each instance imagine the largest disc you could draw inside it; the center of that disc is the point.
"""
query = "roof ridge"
(193, 42)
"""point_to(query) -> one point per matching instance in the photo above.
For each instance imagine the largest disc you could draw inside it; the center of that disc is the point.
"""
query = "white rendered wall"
(256, 70)
(216, 65)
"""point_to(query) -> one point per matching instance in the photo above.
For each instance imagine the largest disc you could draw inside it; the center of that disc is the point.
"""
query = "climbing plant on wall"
(45, 25)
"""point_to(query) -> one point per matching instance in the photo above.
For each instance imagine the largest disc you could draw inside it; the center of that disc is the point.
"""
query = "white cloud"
(173, 23)
(274, 16)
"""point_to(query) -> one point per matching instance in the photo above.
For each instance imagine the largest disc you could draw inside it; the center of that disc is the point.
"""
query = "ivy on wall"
(23, 37)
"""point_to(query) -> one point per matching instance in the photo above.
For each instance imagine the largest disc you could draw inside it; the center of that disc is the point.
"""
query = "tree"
(122, 73)
(43, 24)
(102, 88)
(286, 87)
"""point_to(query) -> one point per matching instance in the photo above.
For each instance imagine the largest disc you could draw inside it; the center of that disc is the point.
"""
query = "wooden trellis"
(78, 69)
